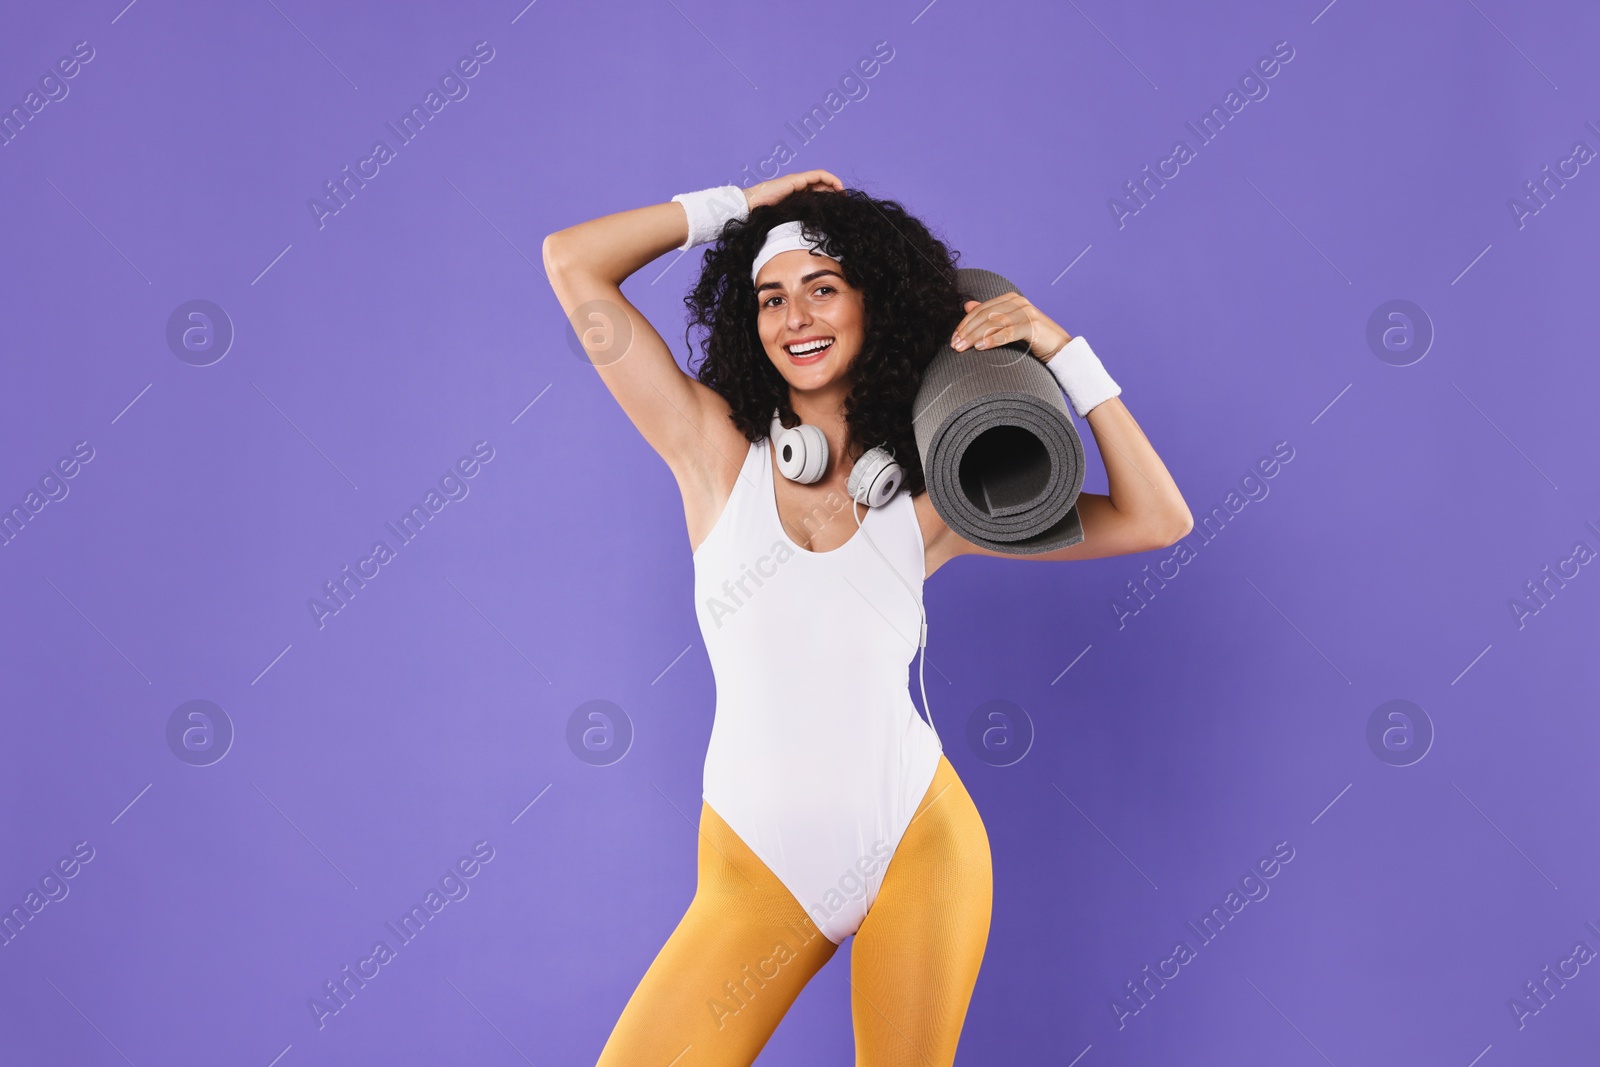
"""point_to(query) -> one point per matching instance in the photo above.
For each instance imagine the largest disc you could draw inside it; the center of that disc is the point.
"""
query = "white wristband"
(1081, 376)
(709, 210)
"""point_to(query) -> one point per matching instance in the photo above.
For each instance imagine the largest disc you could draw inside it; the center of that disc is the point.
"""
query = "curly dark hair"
(907, 279)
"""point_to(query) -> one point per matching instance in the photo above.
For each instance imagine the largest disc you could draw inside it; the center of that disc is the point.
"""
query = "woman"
(829, 808)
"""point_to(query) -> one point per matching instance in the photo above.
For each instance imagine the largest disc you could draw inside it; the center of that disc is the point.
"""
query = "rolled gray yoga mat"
(1000, 455)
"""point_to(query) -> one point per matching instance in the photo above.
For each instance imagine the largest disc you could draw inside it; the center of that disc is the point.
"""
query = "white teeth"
(809, 347)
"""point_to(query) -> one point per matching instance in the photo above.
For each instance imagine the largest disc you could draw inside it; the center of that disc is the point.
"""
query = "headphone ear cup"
(802, 453)
(875, 478)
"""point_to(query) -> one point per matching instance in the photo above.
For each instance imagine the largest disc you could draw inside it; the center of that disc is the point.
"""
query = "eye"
(823, 287)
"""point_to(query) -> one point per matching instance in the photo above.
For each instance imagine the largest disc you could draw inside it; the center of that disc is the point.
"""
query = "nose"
(799, 316)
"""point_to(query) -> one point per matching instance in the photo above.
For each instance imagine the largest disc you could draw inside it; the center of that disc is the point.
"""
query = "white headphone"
(803, 457)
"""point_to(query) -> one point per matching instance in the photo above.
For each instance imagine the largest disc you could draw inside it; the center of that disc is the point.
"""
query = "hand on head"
(770, 192)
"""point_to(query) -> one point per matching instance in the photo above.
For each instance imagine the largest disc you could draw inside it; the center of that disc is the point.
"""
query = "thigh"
(915, 959)
(721, 984)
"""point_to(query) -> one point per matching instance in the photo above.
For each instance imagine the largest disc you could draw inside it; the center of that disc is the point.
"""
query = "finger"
(964, 333)
(979, 309)
(822, 179)
(996, 333)
(985, 318)
(1003, 326)
(957, 340)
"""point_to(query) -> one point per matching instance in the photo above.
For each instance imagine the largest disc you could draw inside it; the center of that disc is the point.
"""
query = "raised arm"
(684, 421)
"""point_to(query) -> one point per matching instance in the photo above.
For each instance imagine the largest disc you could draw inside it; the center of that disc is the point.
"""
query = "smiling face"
(810, 319)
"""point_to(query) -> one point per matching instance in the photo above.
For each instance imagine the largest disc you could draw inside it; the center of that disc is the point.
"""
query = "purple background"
(1230, 713)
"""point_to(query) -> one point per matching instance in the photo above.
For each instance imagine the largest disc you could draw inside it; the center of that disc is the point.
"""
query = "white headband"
(784, 237)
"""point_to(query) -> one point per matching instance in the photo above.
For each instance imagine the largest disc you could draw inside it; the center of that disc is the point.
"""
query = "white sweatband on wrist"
(709, 210)
(1081, 376)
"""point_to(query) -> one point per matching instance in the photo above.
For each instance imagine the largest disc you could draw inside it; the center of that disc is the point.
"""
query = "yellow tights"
(745, 948)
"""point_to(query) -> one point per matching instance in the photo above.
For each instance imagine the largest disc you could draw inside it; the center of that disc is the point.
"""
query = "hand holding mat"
(1000, 454)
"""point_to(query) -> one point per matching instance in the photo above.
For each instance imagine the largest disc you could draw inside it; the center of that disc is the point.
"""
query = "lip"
(814, 357)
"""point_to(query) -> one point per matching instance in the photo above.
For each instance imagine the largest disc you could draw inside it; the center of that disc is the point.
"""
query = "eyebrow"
(803, 281)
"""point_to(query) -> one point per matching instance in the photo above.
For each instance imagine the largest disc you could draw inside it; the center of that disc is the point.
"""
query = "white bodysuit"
(818, 758)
